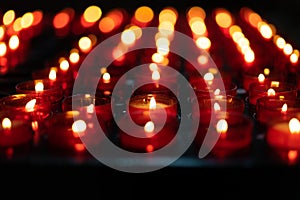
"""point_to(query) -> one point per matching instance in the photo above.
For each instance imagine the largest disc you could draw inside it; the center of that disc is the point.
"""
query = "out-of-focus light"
(157, 58)
(27, 20)
(249, 56)
(37, 17)
(169, 14)
(92, 14)
(294, 56)
(223, 18)
(2, 32)
(14, 42)
(287, 49)
(74, 56)
(203, 42)
(137, 31)
(3, 48)
(144, 14)
(198, 27)
(196, 11)
(61, 20)
(279, 41)
(128, 37)
(17, 25)
(106, 24)
(9, 17)
(85, 44)
(265, 30)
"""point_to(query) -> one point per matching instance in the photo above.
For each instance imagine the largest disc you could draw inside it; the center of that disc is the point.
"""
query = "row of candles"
(45, 108)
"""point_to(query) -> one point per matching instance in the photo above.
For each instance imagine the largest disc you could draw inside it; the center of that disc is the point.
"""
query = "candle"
(14, 132)
(66, 130)
(142, 107)
(277, 108)
(85, 103)
(283, 137)
(42, 88)
(233, 130)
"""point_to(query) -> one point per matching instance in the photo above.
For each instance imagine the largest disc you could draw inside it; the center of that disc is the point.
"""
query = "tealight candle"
(42, 88)
(233, 130)
(150, 105)
(67, 129)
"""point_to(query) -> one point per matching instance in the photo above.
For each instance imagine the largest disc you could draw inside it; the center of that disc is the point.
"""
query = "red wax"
(237, 138)
(140, 105)
(269, 109)
(61, 135)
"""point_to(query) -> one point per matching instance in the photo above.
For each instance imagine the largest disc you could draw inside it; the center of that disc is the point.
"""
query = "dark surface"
(258, 165)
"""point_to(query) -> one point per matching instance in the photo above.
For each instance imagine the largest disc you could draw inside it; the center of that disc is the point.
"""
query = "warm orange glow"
(29, 107)
(52, 74)
(118, 54)
(3, 48)
(128, 37)
(61, 20)
(152, 104)
(79, 128)
(6, 123)
(202, 59)
(106, 24)
(79, 147)
(284, 108)
(243, 42)
(166, 28)
(266, 71)
(39, 87)
(217, 92)
(17, 25)
(280, 42)
(35, 125)
(222, 126)
(261, 78)
(196, 12)
(203, 42)
(287, 49)
(2, 32)
(74, 56)
(162, 41)
(37, 17)
(157, 58)
(294, 56)
(168, 15)
(294, 126)
(265, 30)
(9, 17)
(163, 50)
(92, 14)
(27, 20)
(274, 83)
(149, 127)
(149, 148)
(117, 16)
(106, 77)
(223, 18)
(208, 76)
(271, 92)
(198, 27)
(64, 65)
(153, 67)
(217, 107)
(236, 36)
(233, 29)
(144, 14)
(254, 19)
(292, 155)
(85, 44)
(13, 42)
(155, 75)
(249, 56)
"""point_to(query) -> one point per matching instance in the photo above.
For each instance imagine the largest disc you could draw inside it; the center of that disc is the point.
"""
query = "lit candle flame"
(29, 107)
(261, 78)
(284, 108)
(294, 126)
(217, 107)
(271, 92)
(14, 42)
(79, 128)
(222, 126)
(152, 104)
(155, 75)
(52, 74)
(64, 65)
(106, 77)
(266, 71)
(39, 87)
(6, 123)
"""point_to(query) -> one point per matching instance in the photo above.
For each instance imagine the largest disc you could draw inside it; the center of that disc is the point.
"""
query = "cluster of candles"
(44, 109)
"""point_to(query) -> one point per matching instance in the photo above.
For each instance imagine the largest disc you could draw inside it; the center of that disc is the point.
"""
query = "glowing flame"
(85, 44)
(152, 104)
(79, 128)
(144, 14)
(27, 20)
(14, 42)
(223, 18)
(3, 48)
(261, 78)
(8, 17)
(217, 107)
(271, 92)
(284, 108)
(106, 77)
(64, 65)
(149, 128)
(157, 58)
(265, 30)
(287, 49)
(292, 155)
(203, 42)
(266, 71)
(74, 56)
(294, 126)
(6, 123)
(29, 107)
(155, 75)
(92, 14)
(280, 42)
(222, 126)
(39, 87)
(52, 74)
(90, 109)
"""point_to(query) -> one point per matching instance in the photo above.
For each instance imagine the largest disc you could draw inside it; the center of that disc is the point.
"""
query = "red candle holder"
(14, 134)
(269, 109)
(85, 103)
(51, 91)
(258, 90)
(141, 113)
(67, 129)
(233, 130)
(283, 138)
